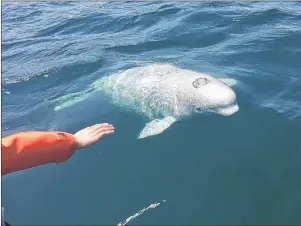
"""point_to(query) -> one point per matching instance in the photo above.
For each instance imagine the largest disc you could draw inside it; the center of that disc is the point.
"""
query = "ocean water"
(210, 169)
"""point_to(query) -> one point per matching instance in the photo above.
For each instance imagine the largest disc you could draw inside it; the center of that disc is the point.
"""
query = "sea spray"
(151, 206)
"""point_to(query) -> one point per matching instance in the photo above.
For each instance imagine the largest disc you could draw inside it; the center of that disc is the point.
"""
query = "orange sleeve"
(25, 150)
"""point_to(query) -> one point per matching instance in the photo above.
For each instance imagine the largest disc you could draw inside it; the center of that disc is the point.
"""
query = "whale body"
(164, 94)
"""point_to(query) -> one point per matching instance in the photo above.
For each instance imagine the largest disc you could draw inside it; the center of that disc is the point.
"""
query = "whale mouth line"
(227, 111)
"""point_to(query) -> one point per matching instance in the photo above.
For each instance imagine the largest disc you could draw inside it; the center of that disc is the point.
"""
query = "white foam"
(151, 206)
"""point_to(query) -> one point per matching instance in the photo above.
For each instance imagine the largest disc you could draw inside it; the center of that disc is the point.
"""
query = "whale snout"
(226, 102)
(221, 95)
(220, 99)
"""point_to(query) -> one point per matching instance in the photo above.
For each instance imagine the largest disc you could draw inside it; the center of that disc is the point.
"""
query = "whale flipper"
(229, 81)
(156, 126)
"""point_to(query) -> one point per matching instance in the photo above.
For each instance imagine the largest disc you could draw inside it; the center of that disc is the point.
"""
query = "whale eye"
(200, 82)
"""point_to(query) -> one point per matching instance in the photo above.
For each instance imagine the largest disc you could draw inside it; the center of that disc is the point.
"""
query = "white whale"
(163, 93)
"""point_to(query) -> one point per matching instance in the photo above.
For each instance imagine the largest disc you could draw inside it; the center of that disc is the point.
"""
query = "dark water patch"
(30, 15)
(197, 18)
(72, 24)
(191, 40)
(167, 6)
(61, 75)
(167, 11)
(142, 20)
(272, 15)
(17, 43)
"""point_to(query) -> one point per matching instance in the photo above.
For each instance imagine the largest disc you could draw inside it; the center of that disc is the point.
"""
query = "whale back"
(144, 89)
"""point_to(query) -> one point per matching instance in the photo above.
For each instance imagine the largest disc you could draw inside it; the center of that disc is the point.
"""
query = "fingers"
(104, 133)
(93, 134)
(104, 130)
(100, 130)
(97, 127)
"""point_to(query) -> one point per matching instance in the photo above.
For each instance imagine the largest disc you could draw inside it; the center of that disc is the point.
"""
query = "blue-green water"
(210, 169)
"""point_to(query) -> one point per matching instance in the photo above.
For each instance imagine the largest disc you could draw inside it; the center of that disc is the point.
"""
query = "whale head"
(213, 95)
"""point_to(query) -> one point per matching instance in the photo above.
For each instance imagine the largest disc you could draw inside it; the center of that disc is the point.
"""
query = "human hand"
(90, 135)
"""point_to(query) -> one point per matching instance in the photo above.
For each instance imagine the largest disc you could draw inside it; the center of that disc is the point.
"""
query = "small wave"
(61, 73)
(268, 16)
(188, 40)
(289, 108)
(129, 219)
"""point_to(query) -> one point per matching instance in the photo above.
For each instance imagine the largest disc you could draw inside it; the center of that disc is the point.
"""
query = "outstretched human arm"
(25, 150)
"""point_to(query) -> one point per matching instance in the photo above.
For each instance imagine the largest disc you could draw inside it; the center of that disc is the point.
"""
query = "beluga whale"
(163, 93)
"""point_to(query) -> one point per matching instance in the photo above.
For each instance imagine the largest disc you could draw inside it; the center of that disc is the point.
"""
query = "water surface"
(210, 169)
